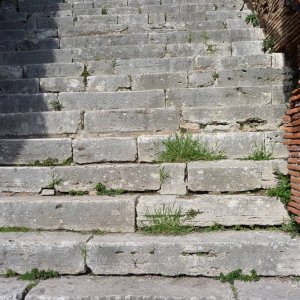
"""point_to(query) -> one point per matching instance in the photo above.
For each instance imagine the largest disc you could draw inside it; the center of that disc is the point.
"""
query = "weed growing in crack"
(212, 49)
(54, 181)
(103, 191)
(190, 38)
(166, 220)
(85, 74)
(252, 19)
(77, 193)
(36, 274)
(104, 11)
(184, 148)
(268, 45)
(163, 175)
(292, 228)
(238, 275)
(215, 76)
(14, 229)
(10, 273)
(56, 105)
(139, 9)
(52, 162)
(261, 153)
(283, 188)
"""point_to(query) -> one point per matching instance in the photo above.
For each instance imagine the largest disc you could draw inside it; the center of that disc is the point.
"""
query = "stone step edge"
(143, 287)
(206, 254)
(127, 213)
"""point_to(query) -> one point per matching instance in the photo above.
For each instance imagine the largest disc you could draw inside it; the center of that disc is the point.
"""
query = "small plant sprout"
(215, 75)
(54, 181)
(268, 45)
(215, 7)
(252, 19)
(36, 274)
(104, 11)
(238, 275)
(261, 153)
(184, 148)
(10, 273)
(212, 49)
(163, 175)
(283, 188)
(139, 9)
(225, 25)
(190, 38)
(56, 105)
(85, 74)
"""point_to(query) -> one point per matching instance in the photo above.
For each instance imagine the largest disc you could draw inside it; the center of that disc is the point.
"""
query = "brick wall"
(292, 140)
(281, 22)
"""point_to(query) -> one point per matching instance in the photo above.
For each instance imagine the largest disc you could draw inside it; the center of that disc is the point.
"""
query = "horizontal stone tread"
(75, 213)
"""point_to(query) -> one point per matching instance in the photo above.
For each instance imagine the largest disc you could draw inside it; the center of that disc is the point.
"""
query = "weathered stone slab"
(206, 254)
(24, 179)
(83, 21)
(103, 67)
(172, 177)
(10, 72)
(39, 123)
(215, 96)
(130, 177)
(61, 252)
(14, 86)
(159, 81)
(224, 176)
(154, 65)
(22, 103)
(132, 120)
(27, 151)
(108, 83)
(53, 70)
(107, 288)
(217, 209)
(62, 84)
(260, 117)
(78, 213)
(269, 288)
(12, 289)
(113, 100)
(106, 149)
(247, 48)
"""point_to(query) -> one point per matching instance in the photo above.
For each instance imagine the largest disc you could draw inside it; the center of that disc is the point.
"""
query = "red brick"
(294, 210)
(295, 205)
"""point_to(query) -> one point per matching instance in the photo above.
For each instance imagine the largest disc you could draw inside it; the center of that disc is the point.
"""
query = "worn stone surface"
(108, 149)
(58, 84)
(130, 288)
(39, 123)
(24, 179)
(217, 209)
(131, 120)
(172, 178)
(61, 252)
(224, 176)
(27, 151)
(206, 254)
(12, 289)
(107, 83)
(48, 192)
(130, 177)
(79, 213)
(113, 100)
(269, 288)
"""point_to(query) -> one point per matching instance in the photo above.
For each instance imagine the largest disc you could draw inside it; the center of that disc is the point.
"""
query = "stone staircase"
(91, 91)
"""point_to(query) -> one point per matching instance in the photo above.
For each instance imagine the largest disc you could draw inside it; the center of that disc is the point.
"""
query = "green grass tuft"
(14, 229)
(283, 189)
(183, 148)
(77, 193)
(56, 105)
(261, 153)
(103, 191)
(238, 275)
(292, 228)
(253, 19)
(10, 273)
(268, 45)
(36, 274)
(104, 11)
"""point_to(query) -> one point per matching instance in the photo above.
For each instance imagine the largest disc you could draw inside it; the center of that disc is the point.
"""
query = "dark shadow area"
(28, 42)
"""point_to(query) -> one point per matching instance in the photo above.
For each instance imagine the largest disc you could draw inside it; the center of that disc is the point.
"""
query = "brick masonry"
(292, 140)
(281, 22)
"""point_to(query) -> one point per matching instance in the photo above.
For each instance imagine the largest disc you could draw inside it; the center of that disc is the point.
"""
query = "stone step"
(233, 145)
(75, 213)
(213, 209)
(232, 118)
(153, 287)
(202, 176)
(267, 117)
(35, 57)
(197, 254)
